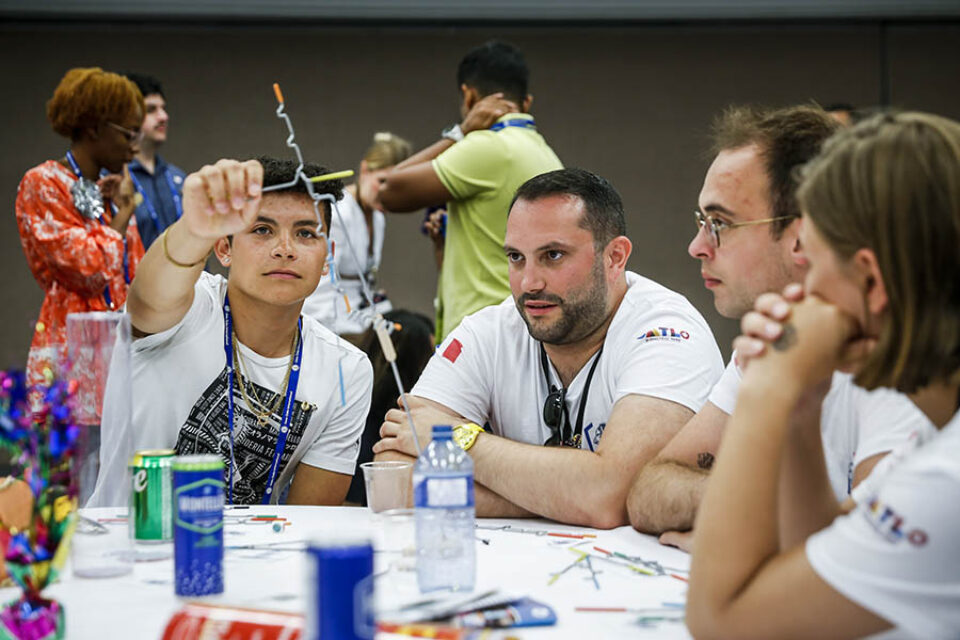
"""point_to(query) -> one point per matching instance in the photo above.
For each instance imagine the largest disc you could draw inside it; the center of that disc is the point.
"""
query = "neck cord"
(574, 433)
(288, 405)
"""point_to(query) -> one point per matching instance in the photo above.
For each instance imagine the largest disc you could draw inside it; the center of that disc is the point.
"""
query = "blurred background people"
(357, 234)
(159, 184)
(475, 168)
(76, 222)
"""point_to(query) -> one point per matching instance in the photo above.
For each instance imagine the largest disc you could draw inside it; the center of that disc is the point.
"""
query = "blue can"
(340, 590)
(198, 525)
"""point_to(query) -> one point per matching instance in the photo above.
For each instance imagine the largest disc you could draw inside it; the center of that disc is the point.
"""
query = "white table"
(138, 605)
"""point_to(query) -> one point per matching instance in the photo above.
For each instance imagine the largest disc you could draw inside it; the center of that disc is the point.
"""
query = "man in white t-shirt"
(229, 366)
(748, 244)
(601, 362)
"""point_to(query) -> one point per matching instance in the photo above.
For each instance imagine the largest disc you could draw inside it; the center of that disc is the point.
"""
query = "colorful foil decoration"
(41, 445)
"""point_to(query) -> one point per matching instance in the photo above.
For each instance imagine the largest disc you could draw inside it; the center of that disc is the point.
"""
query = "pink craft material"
(37, 620)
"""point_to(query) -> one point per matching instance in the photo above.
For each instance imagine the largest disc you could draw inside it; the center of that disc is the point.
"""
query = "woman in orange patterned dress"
(76, 226)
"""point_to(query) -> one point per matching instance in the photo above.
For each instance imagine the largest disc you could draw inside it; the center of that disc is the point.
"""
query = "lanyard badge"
(288, 404)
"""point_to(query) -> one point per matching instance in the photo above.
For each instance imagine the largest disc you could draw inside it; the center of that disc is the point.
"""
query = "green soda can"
(151, 504)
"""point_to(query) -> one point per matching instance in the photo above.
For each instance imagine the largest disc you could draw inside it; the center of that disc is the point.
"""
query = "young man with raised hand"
(228, 365)
(748, 244)
(581, 376)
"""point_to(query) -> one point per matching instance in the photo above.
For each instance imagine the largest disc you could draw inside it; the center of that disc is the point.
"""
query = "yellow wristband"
(466, 434)
(166, 253)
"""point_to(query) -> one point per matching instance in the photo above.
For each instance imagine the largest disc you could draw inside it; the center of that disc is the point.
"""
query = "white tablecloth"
(138, 605)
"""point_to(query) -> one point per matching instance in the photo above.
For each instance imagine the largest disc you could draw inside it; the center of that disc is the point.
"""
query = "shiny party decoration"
(41, 443)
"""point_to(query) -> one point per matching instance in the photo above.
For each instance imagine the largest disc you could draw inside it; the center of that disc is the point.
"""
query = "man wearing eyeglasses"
(747, 244)
(582, 375)
(159, 184)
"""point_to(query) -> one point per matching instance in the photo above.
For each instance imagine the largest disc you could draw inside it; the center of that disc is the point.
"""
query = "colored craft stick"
(627, 562)
(277, 92)
(649, 610)
(422, 631)
(673, 575)
(336, 175)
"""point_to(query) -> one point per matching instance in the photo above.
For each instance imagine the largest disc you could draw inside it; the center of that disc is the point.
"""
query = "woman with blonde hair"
(774, 556)
(75, 222)
(357, 234)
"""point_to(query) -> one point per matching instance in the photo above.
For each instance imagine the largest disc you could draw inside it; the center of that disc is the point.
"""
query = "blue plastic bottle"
(443, 497)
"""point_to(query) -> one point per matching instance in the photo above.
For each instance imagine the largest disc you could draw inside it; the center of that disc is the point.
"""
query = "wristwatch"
(466, 434)
(453, 132)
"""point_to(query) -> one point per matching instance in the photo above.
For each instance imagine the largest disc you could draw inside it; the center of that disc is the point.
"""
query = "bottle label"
(445, 492)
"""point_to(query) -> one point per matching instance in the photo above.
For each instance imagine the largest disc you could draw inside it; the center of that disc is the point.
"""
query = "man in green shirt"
(475, 168)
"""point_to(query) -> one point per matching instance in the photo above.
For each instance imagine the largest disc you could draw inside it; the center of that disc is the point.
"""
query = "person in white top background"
(599, 364)
(881, 298)
(747, 243)
(357, 234)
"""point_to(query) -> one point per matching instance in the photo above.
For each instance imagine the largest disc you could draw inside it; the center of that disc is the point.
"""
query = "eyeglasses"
(714, 226)
(554, 409)
(129, 134)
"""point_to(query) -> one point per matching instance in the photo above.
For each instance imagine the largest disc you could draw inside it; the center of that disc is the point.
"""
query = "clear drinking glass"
(387, 484)
(98, 363)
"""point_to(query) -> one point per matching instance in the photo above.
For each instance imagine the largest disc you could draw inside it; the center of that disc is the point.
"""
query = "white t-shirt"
(855, 423)
(898, 553)
(180, 402)
(489, 368)
(349, 234)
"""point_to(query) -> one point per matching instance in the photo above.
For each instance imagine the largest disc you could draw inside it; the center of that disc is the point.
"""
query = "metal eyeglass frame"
(714, 226)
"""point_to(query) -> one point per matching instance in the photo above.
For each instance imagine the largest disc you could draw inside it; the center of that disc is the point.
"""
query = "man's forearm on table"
(665, 496)
(490, 504)
(567, 485)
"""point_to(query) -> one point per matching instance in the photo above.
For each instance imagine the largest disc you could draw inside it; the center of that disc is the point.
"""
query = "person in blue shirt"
(158, 183)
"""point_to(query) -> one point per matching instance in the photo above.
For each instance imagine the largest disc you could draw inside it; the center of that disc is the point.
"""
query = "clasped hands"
(395, 434)
(799, 339)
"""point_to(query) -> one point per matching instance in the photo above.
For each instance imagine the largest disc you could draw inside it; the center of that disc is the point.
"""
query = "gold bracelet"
(182, 265)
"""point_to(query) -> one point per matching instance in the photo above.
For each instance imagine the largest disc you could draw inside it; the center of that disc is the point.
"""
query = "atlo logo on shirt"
(664, 334)
(890, 524)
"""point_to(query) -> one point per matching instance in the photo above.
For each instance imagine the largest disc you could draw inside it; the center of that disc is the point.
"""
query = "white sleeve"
(337, 445)
(673, 357)
(206, 304)
(885, 420)
(459, 374)
(724, 393)
(896, 554)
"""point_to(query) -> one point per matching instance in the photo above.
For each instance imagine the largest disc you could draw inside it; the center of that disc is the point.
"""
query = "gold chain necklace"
(263, 416)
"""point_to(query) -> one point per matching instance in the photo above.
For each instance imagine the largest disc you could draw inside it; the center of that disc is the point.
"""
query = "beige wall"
(632, 103)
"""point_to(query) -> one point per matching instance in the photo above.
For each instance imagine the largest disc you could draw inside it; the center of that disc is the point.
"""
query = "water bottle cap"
(442, 431)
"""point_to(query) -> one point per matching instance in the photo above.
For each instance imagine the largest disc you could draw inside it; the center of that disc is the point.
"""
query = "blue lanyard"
(289, 401)
(177, 202)
(523, 123)
(126, 258)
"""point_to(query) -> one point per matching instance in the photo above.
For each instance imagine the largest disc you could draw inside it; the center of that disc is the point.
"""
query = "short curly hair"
(89, 96)
(277, 171)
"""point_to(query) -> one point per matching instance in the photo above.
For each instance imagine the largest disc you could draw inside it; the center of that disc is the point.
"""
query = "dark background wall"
(631, 102)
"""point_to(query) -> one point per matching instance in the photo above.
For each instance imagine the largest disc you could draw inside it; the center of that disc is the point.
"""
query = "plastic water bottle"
(443, 497)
